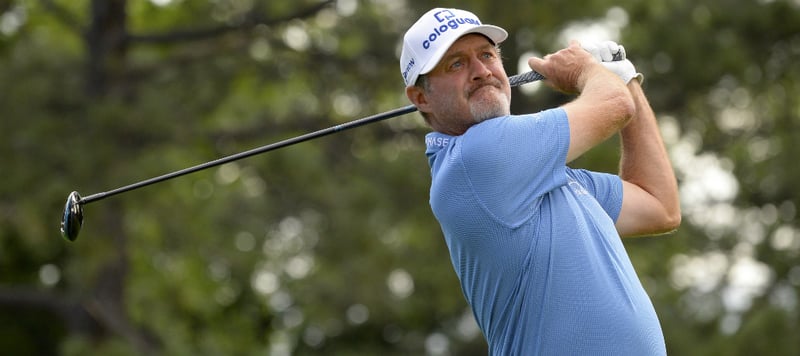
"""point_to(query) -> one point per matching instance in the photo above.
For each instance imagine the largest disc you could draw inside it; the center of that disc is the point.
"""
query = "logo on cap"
(408, 68)
(452, 23)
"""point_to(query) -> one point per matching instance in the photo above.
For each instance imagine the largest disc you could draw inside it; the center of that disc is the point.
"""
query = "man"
(536, 244)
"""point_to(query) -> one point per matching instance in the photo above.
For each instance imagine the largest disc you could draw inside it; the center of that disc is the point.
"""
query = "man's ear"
(417, 97)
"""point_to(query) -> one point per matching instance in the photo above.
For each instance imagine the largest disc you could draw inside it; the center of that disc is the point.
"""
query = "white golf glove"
(606, 51)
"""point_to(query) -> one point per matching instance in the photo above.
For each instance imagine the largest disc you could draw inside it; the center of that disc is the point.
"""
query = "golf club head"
(72, 220)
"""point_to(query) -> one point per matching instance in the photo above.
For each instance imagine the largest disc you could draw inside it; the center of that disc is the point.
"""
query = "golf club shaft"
(255, 151)
(513, 81)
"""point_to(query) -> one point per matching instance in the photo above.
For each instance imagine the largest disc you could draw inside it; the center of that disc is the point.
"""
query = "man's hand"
(566, 70)
(613, 57)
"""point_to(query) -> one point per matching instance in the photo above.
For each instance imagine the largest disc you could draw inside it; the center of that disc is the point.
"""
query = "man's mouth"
(483, 86)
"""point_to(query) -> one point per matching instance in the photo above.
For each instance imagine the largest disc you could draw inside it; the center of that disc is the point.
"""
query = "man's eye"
(456, 65)
(488, 55)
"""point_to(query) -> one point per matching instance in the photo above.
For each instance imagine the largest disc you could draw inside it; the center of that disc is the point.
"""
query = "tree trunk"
(107, 43)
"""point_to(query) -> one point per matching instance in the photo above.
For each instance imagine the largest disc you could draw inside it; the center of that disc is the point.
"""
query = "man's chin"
(488, 108)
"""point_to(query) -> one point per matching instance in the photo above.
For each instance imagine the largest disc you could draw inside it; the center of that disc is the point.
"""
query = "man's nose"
(480, 70)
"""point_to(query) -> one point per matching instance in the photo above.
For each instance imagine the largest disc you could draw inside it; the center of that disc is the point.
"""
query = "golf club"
(72, 220)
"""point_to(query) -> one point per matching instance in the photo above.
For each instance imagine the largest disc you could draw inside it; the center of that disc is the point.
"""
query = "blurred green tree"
(329, 247)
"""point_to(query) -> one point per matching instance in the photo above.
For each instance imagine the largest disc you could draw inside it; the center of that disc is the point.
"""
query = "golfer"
(536, 244)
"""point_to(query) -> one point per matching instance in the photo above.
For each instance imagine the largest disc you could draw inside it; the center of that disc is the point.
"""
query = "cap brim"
(494, 33)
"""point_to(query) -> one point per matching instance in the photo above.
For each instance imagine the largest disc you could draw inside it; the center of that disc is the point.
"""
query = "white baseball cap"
(428, 39)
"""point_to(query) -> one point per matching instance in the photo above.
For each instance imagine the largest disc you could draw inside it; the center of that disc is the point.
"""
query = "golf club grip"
(533, 76)
(524, 78)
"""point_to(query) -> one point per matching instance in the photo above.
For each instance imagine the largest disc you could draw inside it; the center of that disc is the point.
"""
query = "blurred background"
(329, 247)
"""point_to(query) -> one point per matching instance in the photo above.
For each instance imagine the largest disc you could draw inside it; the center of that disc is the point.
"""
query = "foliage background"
(329, 247)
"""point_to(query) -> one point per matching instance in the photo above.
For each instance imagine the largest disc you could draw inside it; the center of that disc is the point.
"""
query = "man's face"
(467, 86)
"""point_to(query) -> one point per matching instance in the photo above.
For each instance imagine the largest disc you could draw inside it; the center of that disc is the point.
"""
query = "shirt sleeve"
(606, 189)
(512, 161)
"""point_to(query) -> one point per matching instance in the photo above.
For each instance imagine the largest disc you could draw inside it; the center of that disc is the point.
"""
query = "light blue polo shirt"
(533, 242)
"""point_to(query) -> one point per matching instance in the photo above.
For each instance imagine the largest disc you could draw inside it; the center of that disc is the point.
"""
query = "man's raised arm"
(603, 106)
(650, 191)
